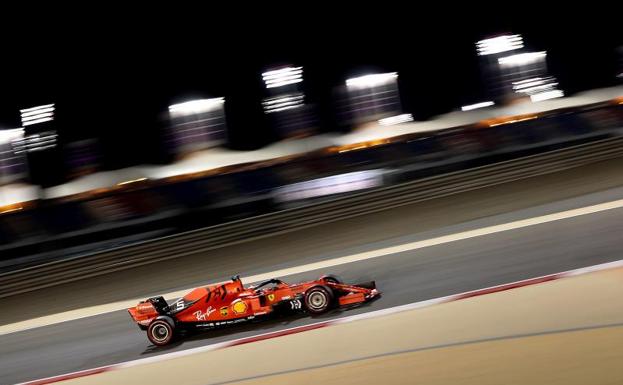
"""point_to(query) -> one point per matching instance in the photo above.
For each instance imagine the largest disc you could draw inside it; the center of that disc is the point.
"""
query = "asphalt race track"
(403, 277)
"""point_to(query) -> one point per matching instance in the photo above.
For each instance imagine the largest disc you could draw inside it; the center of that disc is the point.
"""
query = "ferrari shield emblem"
(271, 297)
(224, 311)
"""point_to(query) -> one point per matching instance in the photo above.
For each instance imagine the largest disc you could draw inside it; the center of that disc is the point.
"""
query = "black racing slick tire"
(160, 332)
(318, 299)
(332, 279)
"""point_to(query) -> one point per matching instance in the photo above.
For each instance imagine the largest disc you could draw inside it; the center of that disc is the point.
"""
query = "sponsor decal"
(239, 307)
(224, 311)
(201, 316)
(209, 325)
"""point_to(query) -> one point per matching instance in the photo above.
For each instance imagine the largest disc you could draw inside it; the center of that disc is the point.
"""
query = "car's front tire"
(318, 299)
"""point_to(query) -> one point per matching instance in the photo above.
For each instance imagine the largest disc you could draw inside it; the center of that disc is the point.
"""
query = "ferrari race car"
(231, 303)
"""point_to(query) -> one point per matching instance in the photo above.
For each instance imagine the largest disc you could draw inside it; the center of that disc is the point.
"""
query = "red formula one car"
(231, 303)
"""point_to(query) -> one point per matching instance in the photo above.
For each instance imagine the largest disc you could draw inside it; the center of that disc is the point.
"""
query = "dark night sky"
(111, 77)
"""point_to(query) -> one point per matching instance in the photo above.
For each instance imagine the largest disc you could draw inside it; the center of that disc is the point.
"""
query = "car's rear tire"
(318, 299)
(160, 332)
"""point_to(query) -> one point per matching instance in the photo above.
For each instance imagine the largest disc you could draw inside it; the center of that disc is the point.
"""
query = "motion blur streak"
(499, 44)
(522, 58)
(402, 118)
(477, 105)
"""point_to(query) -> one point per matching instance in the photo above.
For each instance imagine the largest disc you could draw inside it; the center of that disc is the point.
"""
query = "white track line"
(338, 321)
(106, 308)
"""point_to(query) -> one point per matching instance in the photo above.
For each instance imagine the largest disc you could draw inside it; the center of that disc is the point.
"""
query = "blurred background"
(122, 137)
(147, 151)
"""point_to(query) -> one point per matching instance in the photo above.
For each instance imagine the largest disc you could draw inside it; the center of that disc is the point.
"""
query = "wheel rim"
(160, 332)
(317, 300)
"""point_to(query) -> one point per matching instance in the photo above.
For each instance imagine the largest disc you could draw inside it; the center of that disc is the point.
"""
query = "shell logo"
(239, 307)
